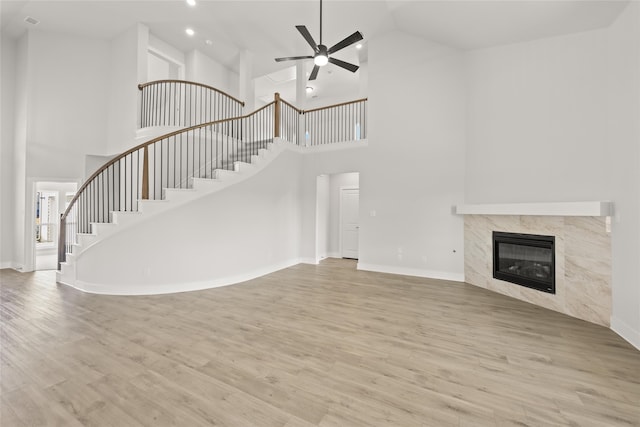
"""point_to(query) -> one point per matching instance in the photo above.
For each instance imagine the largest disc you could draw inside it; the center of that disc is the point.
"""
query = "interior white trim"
(408, 271)
(170, 288)
(596, 208)
(6, 264)
(625, 331)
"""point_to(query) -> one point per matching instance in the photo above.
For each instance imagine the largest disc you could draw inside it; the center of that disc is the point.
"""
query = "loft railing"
(325, 125)
(183, 103)
(336, 123)
(173, 160)
(287, 121)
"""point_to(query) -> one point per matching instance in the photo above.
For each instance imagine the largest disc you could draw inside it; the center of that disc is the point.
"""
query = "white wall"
(337, 182)
(322, 216)
(20, 151)
(623, 142)
(414, 171)
(166, 50)
(68, 91)
(536, 121)
(127, 68)
(157, 68)
(8, 60)
(202, 69)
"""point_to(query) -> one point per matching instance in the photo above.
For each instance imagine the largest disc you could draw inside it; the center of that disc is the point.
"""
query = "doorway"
(332, 236)
(50, 201)
(161, 67)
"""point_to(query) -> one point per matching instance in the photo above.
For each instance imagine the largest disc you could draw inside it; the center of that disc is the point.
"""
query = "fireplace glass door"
(525, 259)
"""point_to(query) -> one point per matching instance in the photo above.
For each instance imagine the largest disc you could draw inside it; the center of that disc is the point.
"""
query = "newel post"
(276, 116)
(145, 173)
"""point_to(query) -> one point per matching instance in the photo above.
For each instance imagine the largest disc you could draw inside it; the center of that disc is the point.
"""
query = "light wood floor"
(307, 346)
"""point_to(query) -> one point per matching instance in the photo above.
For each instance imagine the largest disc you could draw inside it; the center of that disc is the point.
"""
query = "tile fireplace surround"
(583, 253)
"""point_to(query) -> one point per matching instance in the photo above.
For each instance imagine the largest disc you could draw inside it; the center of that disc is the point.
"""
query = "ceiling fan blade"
(314, 72)
(345, 65)
(307, 36)
(293, 58)
(355, 37)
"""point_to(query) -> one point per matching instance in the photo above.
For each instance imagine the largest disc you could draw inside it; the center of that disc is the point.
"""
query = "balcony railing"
(182, 103)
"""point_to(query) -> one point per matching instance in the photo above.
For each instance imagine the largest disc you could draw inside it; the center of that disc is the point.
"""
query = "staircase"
(185, 165)
(172, 198)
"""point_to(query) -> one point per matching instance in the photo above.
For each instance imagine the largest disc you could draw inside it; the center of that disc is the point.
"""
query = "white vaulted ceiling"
(267, 28)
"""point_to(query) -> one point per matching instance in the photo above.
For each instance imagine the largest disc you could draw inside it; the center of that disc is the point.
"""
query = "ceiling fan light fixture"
(320, 60)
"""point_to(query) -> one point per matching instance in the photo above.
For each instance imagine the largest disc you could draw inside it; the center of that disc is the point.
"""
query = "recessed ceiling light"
(309, 89)
(191, 2)
(208, 42)
(359, 46)
(189, 32)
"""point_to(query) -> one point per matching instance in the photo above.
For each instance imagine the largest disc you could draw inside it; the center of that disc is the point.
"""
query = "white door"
(349, 226)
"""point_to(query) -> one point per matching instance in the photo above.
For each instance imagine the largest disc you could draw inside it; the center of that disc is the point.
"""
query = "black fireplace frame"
(534, 240)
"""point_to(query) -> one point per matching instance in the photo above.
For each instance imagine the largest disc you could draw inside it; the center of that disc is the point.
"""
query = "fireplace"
(525, 259)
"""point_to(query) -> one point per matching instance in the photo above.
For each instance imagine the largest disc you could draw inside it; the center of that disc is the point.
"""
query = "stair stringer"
(172, 199)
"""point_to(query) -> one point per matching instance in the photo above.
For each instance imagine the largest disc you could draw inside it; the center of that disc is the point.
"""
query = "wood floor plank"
(311, 345)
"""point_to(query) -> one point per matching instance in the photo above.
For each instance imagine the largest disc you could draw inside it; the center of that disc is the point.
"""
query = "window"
(46, 217)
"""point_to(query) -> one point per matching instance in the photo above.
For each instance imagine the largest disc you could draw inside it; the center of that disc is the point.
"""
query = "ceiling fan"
(321, 52)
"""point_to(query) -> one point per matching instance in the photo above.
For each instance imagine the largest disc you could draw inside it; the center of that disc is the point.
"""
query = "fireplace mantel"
(601, 208)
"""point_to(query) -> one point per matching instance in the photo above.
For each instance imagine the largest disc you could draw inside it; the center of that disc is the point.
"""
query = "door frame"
(343, 188)
(29, 249)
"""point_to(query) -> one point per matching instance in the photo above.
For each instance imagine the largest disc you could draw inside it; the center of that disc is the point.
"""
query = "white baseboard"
(407, 271)
(626, 331)
(308, 261)
(171, 288)
(6, 264)
(334, 255)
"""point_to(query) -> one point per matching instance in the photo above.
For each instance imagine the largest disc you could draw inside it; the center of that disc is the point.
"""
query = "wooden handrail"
(177, 132)
(334, 105)
(143, 85)
(146, 144)
(299, 111)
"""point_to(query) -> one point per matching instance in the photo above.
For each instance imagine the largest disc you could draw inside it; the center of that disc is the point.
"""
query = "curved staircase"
(183, 166)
